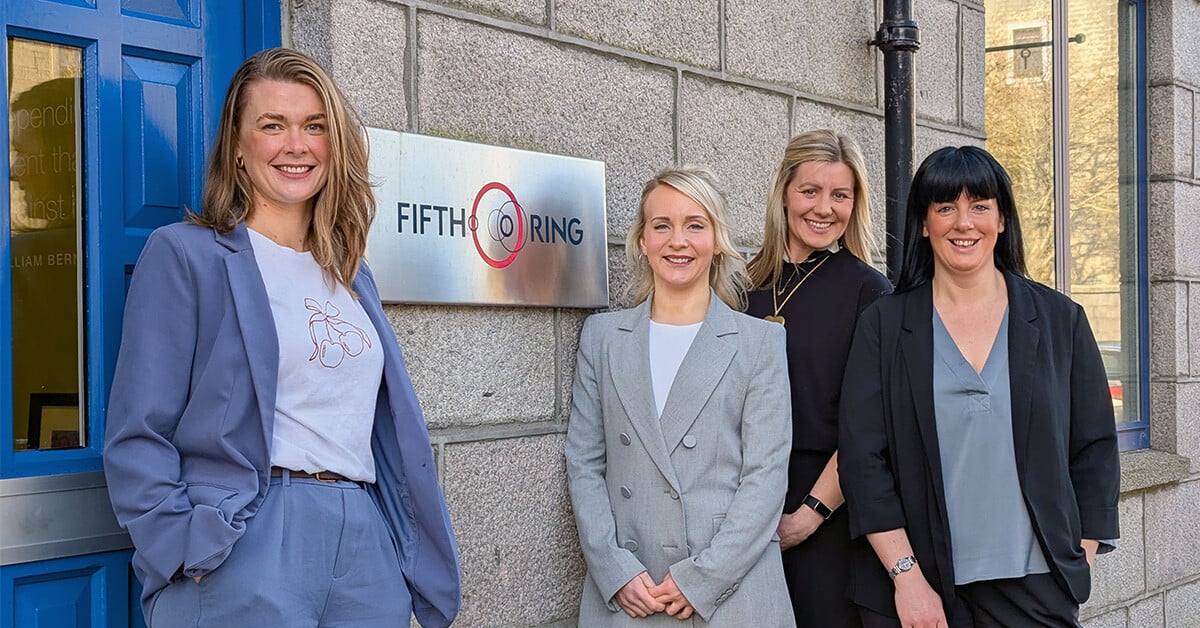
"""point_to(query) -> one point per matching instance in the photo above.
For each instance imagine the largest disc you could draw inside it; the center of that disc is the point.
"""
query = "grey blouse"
(991, 536)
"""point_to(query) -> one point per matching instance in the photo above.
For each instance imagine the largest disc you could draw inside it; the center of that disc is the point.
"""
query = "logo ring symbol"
(474, 225)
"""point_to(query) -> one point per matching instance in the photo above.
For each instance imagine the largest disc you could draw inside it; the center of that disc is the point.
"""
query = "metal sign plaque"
(468, 223)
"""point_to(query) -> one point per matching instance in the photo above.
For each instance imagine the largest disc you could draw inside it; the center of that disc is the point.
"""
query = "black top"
(820, 319)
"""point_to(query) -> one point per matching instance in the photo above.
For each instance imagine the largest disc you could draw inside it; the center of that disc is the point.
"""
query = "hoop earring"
(240, 164)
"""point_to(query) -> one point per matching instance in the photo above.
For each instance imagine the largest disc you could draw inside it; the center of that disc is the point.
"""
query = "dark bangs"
(950, 171)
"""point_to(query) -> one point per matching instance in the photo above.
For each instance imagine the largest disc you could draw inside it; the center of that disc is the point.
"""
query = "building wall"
(1154, 578)
(642, 84)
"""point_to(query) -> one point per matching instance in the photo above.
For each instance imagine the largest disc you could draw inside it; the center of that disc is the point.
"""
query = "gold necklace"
(776, 318)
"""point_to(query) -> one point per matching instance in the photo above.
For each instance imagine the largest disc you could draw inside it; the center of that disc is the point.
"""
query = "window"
(1074, 145)
(45, 242)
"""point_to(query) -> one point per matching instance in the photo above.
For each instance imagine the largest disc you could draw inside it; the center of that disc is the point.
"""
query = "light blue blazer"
(192, 409)
(696, 494)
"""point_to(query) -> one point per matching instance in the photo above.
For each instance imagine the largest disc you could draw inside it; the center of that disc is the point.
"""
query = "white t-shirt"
(330, 367)
(668, 346)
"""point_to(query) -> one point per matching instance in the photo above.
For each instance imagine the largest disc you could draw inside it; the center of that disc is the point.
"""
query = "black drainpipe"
(899, 39)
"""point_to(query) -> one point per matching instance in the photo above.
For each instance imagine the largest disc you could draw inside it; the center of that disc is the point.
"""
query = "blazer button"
(673, 494)
(624, 439)
(626, 493)
(689, 441)
(630, 545)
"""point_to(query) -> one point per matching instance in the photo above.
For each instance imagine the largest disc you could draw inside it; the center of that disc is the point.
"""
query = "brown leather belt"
(320, 476)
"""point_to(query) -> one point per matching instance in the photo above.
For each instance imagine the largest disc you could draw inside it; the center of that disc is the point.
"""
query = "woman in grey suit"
(678, 443)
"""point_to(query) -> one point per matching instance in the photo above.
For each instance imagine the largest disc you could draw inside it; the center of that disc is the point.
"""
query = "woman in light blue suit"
(679, 434)
(265, 448)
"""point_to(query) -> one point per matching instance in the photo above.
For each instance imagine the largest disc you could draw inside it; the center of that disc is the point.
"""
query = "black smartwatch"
(816, 504)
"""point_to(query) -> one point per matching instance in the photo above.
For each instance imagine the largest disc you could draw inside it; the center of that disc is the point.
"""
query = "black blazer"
(1064, 436)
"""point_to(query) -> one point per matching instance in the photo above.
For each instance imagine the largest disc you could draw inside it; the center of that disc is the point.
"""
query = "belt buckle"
(318, 477)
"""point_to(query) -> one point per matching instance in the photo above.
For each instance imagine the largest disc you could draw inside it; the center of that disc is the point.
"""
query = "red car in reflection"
(1110, 353)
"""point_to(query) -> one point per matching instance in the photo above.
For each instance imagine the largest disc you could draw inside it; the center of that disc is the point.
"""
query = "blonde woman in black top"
(813, 277)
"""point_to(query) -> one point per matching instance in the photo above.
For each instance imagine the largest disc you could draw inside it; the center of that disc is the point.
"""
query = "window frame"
(1136, 434)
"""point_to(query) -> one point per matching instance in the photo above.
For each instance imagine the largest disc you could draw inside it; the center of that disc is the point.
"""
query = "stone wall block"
(311, 32)
(1148, 612)
(1193, 328)
(1112, 619)
(1161, 230)
(1175, 419)
(1160, 41)
(1182, 606)
(1170, 128)
(1172, 536)
(739, 133)
(808, 115)
(362, 44)
(1187, 229)
(1194, 129)
(1163, 142)
(1121, 574)
(1187, 413)
(528, 11)
(1185, 25)
(683, 30)
(930, 139)
(936, 65)
(479, 366)
(817, 47)
(487, 85)
(570, 324)
(511, 511)
(1168, 329)
(620, 275)
(973, 37)
(1162, 417)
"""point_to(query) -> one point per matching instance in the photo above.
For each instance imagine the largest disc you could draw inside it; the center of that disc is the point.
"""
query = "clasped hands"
(640, 597)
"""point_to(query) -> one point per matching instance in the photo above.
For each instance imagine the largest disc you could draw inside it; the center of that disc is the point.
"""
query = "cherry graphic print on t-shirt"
(333, 338)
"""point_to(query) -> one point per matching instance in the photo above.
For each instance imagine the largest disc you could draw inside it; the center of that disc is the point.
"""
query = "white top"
(330, 367)
(668, 345)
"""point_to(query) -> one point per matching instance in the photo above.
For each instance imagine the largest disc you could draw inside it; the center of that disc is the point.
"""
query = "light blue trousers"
(317, 554)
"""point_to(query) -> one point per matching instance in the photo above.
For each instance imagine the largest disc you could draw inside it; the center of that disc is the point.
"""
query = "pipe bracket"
(897, 35)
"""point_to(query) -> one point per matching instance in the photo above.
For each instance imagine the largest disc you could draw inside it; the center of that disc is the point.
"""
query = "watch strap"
(818, 506)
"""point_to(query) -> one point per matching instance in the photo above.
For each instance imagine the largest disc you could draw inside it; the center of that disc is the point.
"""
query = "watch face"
(904, 564)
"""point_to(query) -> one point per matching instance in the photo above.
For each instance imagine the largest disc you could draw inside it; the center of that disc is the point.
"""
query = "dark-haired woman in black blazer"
(978, 447)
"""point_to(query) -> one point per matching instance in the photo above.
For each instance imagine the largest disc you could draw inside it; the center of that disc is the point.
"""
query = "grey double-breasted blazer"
(697, 494)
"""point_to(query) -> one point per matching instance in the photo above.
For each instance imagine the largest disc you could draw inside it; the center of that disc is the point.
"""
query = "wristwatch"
(902, 565)
(818, 506)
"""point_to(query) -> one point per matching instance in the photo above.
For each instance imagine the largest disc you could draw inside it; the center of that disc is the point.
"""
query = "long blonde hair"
(823, 146)
(727, 275)
(342, 210)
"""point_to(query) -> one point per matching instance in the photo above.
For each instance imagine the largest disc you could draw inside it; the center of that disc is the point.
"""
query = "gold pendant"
(776, 319)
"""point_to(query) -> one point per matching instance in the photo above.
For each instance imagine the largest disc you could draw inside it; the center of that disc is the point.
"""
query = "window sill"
(1147, 468)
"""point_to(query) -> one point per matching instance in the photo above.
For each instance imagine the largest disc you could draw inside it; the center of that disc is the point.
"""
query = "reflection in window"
(1092, 242)
(1028, 52)
(45, 228)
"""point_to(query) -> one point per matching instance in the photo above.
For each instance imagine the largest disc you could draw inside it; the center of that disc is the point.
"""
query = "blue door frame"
(154, 76)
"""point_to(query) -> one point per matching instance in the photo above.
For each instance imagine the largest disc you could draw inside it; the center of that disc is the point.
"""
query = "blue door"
(109, 107)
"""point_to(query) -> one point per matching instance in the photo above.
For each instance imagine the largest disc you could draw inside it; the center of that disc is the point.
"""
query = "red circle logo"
(500, 225)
